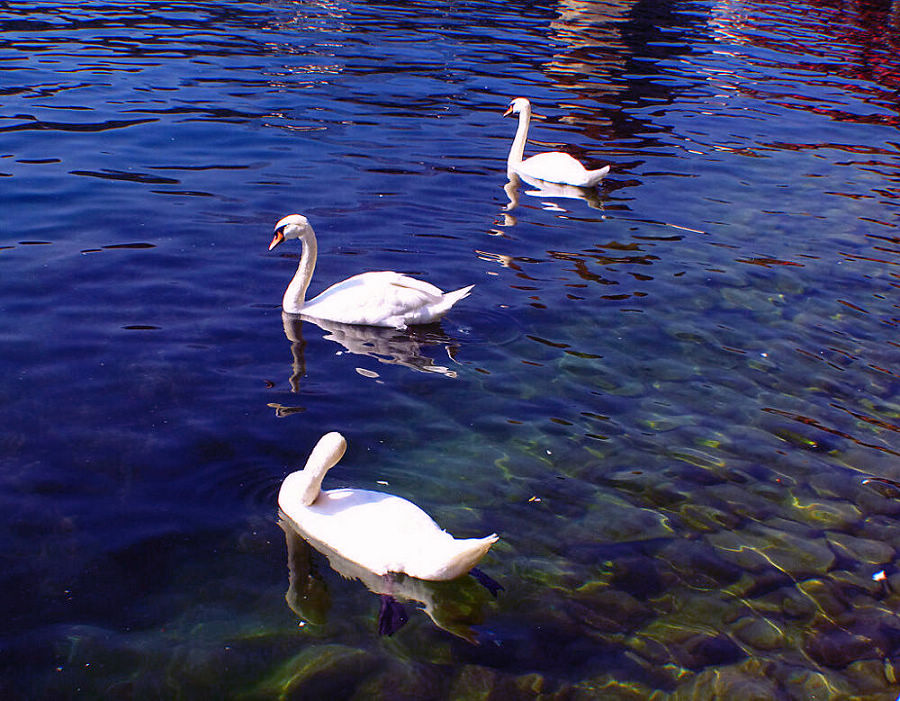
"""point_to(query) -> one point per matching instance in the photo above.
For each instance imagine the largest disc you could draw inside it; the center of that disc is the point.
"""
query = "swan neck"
(327, 453)
(517, 151)
(295, 294)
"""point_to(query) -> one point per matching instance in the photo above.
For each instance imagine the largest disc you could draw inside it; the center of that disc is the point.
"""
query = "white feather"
(381, 532)
(552, 166)
(382, 298)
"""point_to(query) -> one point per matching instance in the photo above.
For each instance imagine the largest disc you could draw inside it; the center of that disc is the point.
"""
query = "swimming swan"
(552, 166)
(380, 532)
(382, 298)
(452, 606)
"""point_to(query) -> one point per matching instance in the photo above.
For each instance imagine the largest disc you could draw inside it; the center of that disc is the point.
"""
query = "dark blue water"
(669, 399)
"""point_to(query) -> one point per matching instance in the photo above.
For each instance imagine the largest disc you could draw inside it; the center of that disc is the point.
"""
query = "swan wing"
(381, 532)
(383, 298)
(558, 167)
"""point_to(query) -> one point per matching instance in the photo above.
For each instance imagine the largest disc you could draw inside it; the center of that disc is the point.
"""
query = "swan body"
(379, 532)
(454, 609)
(552, 166)
(382, 298)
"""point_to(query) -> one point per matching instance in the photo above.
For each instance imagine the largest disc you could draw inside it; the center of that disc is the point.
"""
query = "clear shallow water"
(665, 400)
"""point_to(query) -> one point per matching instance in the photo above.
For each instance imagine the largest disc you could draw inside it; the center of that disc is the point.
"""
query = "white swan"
(380, 532)
(382, 298)
(455, 607)
(552, 166)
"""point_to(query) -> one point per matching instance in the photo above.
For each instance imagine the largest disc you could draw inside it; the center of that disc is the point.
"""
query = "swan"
(379, 532)
(552, 166)
(452, 606)
(381, 298)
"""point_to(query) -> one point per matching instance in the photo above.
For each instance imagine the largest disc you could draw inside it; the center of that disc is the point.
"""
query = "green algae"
(318, 671)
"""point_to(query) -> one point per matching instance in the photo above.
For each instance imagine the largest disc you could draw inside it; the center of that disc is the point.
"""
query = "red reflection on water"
(767, 262)
(808, 421)
(845, 41)
(869, 419)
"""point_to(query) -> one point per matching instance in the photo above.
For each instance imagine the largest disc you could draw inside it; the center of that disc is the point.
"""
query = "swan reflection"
(388, 346)
(454, 606)
(545, 189)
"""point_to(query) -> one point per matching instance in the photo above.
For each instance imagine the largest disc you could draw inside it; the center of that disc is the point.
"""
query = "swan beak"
(509, 111)
(278, 238)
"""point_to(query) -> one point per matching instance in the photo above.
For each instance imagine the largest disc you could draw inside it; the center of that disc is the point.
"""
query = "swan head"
(293, 226)
(517, 106)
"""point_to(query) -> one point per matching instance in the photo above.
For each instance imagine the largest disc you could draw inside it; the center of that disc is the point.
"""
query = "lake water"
(676, 401)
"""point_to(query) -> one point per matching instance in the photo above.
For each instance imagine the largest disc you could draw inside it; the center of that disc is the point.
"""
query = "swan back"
(381, 532)
(558, 167)
(304, 486)
(383, 298)
(552, 166)
(385, 533)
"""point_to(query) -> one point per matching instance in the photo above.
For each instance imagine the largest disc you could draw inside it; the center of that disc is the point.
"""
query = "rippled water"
(669, 400)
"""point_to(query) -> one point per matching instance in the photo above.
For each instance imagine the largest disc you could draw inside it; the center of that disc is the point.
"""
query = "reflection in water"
(455, 606)
(545, 189)
(593, 52)
(388, 346)
(856, 41)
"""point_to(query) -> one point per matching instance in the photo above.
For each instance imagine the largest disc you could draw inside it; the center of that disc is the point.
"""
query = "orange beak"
(278, 238)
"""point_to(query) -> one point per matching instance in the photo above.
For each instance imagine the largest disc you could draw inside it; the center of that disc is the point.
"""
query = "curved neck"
(295, 294)
(308, 482)
(518, 145)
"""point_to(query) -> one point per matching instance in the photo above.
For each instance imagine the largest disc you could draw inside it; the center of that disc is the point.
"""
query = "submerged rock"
(607, 610)
(483, 683)
(706, 518)
(704, 650)
(802, 684)
(610, 689)
(760, 633)
(837, 648)
(831, 514)
(866, 550)
(614, 520)
(699, 565)
(760, 547)
(868, 680)
(732, 682)
(825, 596)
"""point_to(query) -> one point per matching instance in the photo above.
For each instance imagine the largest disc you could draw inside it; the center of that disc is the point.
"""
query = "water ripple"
(675, 398)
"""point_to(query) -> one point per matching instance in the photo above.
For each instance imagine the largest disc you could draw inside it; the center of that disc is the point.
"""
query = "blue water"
(669, 399)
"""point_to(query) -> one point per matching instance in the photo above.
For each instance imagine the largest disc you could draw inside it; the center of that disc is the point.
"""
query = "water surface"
(669, 399)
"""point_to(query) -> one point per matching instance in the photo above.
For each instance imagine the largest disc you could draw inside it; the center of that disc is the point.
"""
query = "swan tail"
(435, 312)
(595, 176)
(451, 298)
(469, 552)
